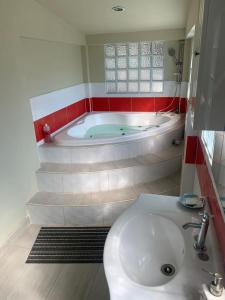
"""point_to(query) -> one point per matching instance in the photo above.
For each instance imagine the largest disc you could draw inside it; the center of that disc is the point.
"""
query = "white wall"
(49, 66)
(124, 37)
(18, 158)
(192, 16)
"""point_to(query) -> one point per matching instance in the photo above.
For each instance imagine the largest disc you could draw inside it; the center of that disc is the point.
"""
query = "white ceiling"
(97, 16)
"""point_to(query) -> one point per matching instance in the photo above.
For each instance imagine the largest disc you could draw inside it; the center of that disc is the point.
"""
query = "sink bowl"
(148, 255)
(151, 249)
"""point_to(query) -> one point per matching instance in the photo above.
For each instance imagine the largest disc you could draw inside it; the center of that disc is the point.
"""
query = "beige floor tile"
(148, 159)
(36, 282)
(55, 167)
(102, 166)
(161, 185)
(81, 168)
(90, 198)
(12, 268)
(142, 188)
(99, 290)
(171, 152)
(55, 199)
(176, 178)
(118, 195)
(125, 163)
(74, 282)
(26, 237)
(61, 168)
(175, 191)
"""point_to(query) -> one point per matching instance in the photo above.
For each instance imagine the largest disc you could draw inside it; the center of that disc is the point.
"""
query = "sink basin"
(151, 249)
(148, 255)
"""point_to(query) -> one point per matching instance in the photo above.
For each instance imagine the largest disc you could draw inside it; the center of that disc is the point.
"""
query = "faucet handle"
(216, 286)
(205, 215)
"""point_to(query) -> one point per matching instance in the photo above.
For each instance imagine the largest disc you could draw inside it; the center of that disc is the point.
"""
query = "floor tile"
(12, 268)
(36, 282)
(176, 178)
(175, 191)
(125, 163)
(99, 289)
(26, 237)
(161, 185)
(74, 282)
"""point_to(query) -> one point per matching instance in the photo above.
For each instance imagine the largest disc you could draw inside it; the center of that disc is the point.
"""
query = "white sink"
(149, 242)
(147, 236)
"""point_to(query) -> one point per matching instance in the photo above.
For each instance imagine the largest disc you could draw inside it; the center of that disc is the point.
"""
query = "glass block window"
(134, 67)
(208, 138)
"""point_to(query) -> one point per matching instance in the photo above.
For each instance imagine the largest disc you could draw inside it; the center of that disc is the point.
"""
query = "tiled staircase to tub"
(92, 185)
(97, 193)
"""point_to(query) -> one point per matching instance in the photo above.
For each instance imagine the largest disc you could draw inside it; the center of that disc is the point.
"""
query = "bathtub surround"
(60, 107)
(91, 185)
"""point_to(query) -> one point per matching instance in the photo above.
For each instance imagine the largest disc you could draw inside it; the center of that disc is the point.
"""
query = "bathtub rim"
(61, 138)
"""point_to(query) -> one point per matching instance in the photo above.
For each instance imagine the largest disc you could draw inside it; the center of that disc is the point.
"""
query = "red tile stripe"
(61, 117)
(191, 149)
(138, 104)
(195, 153)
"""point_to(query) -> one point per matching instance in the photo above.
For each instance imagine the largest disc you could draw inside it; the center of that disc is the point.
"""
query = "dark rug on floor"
(69, 245)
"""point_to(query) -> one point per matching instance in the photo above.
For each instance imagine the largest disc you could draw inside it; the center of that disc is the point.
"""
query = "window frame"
(139, 68)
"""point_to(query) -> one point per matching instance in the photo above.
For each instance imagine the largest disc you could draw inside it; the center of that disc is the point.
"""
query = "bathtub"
(110, 128)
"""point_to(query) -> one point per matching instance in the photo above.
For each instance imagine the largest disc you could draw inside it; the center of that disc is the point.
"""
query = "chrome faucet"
(203, 226)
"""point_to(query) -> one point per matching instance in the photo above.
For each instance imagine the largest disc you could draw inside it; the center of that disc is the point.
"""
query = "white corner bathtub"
(109, 128)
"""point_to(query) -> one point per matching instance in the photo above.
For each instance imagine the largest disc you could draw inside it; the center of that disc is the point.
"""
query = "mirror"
(218, 166)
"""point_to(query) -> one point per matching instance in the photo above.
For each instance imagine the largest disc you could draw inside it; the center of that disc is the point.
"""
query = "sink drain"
(168, 270)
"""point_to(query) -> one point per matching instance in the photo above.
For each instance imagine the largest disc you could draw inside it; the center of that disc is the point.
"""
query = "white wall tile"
(48, 103)
(85, 182)
(57, 154)
(121, 178)
(156, 171)
(49, 182)
(84, 215)
(46, 215)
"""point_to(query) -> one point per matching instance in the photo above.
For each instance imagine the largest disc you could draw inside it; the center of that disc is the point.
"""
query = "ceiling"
(97, 16)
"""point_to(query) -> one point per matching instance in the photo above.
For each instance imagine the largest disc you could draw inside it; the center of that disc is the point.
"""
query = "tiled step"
(100, 208)
(53, 153)
(86, 178)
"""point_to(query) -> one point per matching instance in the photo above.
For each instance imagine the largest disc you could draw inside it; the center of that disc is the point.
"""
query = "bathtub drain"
(168, 270)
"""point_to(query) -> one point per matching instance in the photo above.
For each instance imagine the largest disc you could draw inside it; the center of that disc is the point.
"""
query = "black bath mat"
(69, 245)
